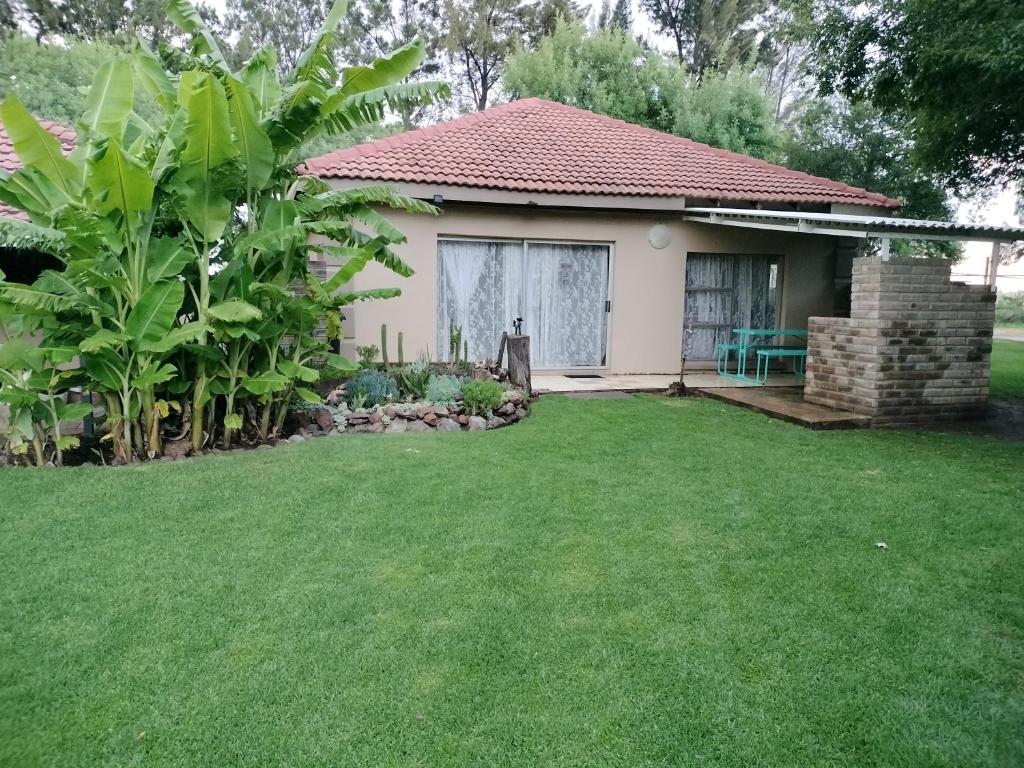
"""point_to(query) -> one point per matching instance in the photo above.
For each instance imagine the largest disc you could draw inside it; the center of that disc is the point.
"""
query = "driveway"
(1010, 334)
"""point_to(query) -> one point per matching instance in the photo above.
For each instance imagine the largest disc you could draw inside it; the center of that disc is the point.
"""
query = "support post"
(519, 362)
(993, 264)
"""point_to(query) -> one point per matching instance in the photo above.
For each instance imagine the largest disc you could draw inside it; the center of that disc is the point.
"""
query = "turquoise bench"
(766, 354)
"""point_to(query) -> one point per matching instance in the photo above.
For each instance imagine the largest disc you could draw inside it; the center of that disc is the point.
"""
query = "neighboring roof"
(535, 145)
(9, 161)
(849, 225)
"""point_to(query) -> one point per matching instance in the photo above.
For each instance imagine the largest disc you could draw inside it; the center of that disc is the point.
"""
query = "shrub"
(330, 372)
(443, 389)
(1010, 309)
(414, 379)
(371, 387)
(367, 355)
(482, 396)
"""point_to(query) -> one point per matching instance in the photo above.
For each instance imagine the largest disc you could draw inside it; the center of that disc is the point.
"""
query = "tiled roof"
(9, 161)
(535, 145)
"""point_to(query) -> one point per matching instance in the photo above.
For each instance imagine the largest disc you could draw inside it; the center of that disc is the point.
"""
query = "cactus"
(384, 345)
(465, 351)
(455, 342)
(401, 354)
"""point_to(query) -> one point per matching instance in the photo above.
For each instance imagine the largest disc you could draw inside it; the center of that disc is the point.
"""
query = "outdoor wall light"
(438, 199)
(659, 237)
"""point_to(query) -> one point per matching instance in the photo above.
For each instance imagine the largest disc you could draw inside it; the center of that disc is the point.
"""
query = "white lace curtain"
(479, 290)
(558, 288)
(565, 317)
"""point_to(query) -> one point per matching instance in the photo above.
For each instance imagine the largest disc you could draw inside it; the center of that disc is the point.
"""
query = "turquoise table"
(749, 339)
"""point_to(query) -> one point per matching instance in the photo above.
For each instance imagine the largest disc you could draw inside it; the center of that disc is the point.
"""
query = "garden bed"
(374, 401)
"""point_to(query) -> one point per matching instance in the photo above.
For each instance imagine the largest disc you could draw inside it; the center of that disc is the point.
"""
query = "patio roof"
(850, 225)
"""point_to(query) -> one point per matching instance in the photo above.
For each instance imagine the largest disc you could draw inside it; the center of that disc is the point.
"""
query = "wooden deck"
(786, 403)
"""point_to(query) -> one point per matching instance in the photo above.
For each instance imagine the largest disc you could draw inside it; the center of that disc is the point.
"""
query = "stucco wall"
(647, 285)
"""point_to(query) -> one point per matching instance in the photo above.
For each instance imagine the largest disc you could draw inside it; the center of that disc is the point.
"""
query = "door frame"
(780, 287)
(525, 243)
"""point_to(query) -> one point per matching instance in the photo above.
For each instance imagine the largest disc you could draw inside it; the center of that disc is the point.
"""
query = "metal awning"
(849, 225)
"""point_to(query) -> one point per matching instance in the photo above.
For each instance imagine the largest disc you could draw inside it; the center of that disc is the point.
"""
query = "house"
(24, 266)
(583, 226)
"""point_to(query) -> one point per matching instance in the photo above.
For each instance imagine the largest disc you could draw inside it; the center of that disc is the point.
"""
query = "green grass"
(646, 582)
(1007, 369)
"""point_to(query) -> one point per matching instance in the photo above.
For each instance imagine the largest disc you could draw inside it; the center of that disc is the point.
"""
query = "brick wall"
(915, 348)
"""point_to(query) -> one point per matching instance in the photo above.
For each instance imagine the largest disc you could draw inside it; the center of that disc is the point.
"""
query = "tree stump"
(518, 348)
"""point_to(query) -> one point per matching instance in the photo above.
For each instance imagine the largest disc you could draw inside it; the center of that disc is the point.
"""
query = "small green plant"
(371, 387)
(367, 355)
(482, 397)
(443, 389)
(414, 379)
(330, 373)
(401, 352)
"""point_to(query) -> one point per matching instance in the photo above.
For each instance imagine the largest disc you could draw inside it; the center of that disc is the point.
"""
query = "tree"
(184, 241)
(609, 72)
(728, 110)
(622, 16)
(481, 35)
(675, 18)
(289, 28)
(784, 53)
(726, 34)
(858, 144)
(51, 79)
(950, 70)
(707, 33)
(100, 19)
(545, 16)
(605, 71)
(8, 20)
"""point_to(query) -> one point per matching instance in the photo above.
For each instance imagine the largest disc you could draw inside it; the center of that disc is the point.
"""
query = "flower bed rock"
(335, 417)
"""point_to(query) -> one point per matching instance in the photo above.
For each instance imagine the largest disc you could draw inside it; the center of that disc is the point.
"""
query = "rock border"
(398, 418)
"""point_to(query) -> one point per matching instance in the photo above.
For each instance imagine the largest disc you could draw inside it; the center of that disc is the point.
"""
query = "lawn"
(613, 583)
(1008, 369)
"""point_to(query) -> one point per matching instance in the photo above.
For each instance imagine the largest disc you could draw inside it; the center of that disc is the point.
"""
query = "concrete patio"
(546, 383)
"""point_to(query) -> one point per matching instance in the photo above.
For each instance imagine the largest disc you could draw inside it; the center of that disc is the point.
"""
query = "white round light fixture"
(659, 237)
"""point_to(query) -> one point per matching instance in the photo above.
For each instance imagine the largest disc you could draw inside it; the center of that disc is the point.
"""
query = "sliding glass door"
(559, 289)
(726, 291)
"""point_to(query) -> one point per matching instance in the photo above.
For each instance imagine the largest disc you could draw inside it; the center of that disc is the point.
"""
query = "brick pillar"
(915, 348)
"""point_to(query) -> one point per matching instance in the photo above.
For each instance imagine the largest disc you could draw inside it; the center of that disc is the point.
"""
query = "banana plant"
(184, 241)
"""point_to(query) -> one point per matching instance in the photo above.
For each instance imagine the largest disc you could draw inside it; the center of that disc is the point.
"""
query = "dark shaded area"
(21, 266)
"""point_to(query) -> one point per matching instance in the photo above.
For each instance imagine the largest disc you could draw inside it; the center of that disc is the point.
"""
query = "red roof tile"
(535, 145)
(9, 161)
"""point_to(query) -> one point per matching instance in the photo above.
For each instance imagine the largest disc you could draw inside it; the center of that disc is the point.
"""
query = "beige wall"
(647, 285)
